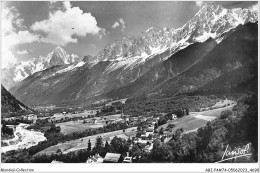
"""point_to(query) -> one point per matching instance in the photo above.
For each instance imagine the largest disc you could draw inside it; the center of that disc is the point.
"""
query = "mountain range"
(215, 43)
(20, 71)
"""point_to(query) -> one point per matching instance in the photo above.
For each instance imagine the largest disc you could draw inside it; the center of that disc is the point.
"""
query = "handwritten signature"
(237, 152)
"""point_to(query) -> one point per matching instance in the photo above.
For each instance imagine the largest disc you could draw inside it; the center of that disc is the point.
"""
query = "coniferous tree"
(106, 145)
(89, 146)
(99, 143)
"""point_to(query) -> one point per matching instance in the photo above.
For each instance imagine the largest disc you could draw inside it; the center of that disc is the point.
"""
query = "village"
(140, 130)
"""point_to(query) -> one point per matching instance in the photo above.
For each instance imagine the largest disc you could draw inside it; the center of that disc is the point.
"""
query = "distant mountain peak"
(151, 29)
(59, 56)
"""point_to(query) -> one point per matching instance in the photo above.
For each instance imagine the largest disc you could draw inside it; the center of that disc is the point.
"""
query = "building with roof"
(127, 159)
(148, 148)
(174, 117)
(95, 159)
(112, 158)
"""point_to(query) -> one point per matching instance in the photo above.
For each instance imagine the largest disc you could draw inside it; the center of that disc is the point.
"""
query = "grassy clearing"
(115, 116)
(214, 112)
(186, 122)
(77, 126)
(197, 119)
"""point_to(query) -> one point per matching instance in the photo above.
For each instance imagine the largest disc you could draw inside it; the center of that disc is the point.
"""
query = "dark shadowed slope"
(230, 64)
(10, 104)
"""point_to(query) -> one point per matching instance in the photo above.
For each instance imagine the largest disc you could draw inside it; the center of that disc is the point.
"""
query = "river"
(23, 138)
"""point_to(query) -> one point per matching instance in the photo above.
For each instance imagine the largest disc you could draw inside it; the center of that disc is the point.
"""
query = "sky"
(32, 29)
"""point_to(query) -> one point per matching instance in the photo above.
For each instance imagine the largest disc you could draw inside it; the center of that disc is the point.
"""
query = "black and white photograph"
(140, 82)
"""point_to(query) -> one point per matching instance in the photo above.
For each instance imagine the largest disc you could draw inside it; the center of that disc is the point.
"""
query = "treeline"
(144, 105)
(5, 130)
(115, 108)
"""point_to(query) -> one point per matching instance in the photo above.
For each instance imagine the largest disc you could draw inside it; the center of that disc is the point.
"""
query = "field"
(195, 120)
(77, 126)
(187, 123)
(82, 143)
(84, 114)
(214, 112)
(115, 116)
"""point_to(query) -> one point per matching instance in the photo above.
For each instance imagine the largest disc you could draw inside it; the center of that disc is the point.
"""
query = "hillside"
(9, 104)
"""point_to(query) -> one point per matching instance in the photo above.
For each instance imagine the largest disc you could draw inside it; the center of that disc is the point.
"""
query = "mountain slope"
(10, 104)
(229, 64)
(168, 69)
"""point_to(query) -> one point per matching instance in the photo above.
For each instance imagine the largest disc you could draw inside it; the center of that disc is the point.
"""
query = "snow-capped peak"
(57, 57)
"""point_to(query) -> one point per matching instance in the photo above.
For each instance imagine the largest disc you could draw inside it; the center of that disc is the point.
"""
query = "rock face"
(20, 71)
(149, 63)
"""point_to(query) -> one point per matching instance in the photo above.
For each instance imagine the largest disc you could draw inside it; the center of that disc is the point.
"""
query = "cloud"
(119, 23)
(22, 52)
(254, 7)
(116, 24)
(199, 3)
(13, 35)
(63, 25)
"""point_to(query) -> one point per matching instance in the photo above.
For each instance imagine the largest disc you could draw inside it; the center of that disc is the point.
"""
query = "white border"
(136, 167)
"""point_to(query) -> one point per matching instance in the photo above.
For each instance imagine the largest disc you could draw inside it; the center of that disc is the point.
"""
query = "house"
(111, 121)
(90, 112)
(95, 159)
(148, 148)
(119, 120)
(132, 119)
(112, 158)
(9, 119)
(140, 141)
(149, 130)
(174, 117)
(31, 117)
(167, 134)
(127, 159)
(142, 119)
(94, 121)
(143, 136)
